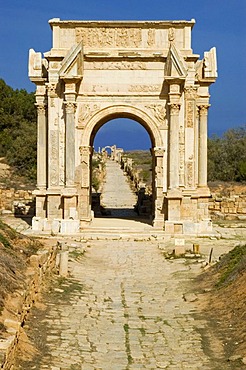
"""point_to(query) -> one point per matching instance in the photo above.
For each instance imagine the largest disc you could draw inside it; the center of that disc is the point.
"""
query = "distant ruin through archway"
(146, 71)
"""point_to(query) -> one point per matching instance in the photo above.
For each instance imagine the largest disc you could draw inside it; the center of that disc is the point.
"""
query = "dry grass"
(15, 251)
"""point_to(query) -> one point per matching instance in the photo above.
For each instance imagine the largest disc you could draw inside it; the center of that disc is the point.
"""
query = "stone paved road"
(117, 195)
(123, 309)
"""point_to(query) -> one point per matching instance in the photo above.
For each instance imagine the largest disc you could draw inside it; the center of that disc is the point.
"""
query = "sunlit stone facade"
(146, 71)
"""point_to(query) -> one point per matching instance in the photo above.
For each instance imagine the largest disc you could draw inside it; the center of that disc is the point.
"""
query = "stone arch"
(111, 69)
(140, 116)
(121, 111)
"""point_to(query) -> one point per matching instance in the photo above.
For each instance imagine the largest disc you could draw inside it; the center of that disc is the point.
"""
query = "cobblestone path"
(122, 308)
(117, 194)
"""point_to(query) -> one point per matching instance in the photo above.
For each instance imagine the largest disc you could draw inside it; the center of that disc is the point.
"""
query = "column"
(174, 146)
(41, 146)
(202, 151)
(70, 143)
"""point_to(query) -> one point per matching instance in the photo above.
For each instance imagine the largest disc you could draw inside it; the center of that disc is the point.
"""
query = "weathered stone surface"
(145, 71)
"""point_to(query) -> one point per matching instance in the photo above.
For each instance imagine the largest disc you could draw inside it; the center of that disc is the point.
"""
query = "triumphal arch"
(146, 71)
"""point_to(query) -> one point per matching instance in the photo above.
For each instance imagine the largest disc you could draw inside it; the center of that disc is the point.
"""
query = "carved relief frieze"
(54, 154)
(85, 152)
(109, 37)
(151, 37)
(181, 155)
(190, 106)
(189, 172)
(144, 88)
(85, 112)
(124, 65)
(85, 175)
(159, 112)
(171, 35)
(62, 152)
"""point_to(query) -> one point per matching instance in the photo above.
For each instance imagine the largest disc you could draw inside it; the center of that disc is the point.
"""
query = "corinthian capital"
(70, 107)
(203, 109)
(41, 108)
(174, 108)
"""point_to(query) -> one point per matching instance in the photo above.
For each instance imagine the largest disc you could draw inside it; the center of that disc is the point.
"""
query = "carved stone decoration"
(190, 92)
(159, 112)
(110, 37)
(70, 107)
(181, 155)
(203, 109)
(41, 109)
(54, 154)
(51, 87)
(144, 88)
(62, 152)
(85, 112)
(159, 152)
(144, 71)
(85, 152)
(189, 172)
(171, 34)
(151, 37)
(190, 106)
(124, 65)
(85, 175)
(174, 108)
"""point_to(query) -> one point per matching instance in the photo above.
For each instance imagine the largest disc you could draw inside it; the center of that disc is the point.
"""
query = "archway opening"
(123, 146)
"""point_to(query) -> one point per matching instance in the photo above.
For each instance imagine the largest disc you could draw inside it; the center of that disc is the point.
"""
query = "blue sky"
(220, 23)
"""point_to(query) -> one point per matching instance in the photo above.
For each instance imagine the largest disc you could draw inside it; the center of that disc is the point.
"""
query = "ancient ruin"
(100, 70)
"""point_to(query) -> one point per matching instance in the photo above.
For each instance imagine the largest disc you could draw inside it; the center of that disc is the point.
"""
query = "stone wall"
(19, 202)
(19, 304)
(228, 208)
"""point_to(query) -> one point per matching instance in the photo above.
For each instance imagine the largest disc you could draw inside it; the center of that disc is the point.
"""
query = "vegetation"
(227, 156)
(231, 265)
(98, 166)
(18, 137)
(18, 130)
(15, 250)
(142, 162)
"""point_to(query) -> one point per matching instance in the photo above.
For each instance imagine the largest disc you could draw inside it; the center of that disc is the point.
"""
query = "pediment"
(72, 64)
(175, 64)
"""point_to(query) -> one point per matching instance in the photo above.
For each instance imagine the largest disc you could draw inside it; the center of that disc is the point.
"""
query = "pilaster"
(202, 151)
(41, 145)
(70, 108)
(159, 198)
(85, 202)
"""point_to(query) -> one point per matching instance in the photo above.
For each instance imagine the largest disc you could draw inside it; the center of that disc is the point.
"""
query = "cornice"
(140, 24)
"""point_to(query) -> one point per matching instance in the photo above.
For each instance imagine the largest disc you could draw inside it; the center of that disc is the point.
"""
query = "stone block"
(169, 227)
(56, 226)
(69, 226)
(179, 250)
(178, 228)
(189, 227)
